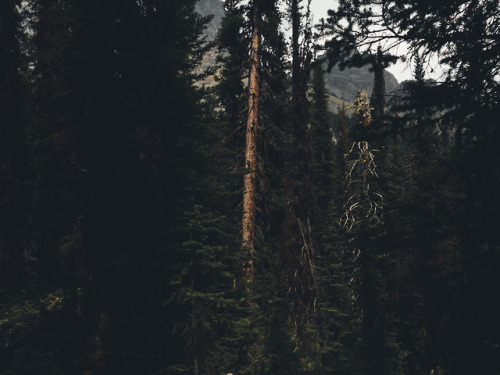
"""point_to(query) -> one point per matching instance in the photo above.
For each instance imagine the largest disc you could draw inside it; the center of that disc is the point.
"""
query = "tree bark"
(250, 180)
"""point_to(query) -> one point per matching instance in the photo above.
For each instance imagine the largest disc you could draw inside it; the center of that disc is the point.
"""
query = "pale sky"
(319, 8)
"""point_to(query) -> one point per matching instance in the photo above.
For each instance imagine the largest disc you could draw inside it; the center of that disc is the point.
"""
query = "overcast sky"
(319, 8)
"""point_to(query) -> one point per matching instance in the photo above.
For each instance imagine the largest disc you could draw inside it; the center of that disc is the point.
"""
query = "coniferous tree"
(364, 219)
(12, 156)
(58, 113)
(274, 328)
(262, 329)
(115, 155)
(121, 235)
(378, 97)
(421, 234)
(322, 144)
(335, 323)
(232, 43)
(463, 105)
(296, 251)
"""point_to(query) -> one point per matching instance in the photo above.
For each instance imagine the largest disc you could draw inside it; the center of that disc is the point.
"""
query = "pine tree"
(463, 101)
(56, 116)
(276, 144)
(296, 250)
(367, 190)
(232, 54)
(12, 154)
(116, 135)
(335, 325)
(378, 101)
(264, 343)
(322, 142)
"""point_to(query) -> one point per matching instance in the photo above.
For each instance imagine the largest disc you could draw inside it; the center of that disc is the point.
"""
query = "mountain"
(211, 7)
(342, 85)
(345, 84)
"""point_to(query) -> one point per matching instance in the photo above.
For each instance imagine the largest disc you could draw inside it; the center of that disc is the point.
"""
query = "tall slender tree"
(262, 329)
(252, 125)
(296, 250)
(378, 95)
(322, 141)
(12, 154)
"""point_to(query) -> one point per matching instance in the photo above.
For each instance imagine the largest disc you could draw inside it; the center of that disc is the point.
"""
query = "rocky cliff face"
(211, 7)
(345, 84)
(340, 84)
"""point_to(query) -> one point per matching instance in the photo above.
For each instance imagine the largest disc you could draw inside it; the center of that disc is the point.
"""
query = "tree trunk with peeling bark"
(250, 180)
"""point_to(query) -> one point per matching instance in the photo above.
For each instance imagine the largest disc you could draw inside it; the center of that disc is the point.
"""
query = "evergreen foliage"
(12, 149)
(376, 241)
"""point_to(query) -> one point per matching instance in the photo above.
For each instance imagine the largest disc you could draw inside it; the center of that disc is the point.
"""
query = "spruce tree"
(296, 250)
(463, 101)
(322, 143)
(12, 154)
(116, 136)
(335, 326)
(263, 330)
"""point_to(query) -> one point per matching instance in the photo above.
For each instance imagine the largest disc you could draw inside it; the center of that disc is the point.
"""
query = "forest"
(162, 216)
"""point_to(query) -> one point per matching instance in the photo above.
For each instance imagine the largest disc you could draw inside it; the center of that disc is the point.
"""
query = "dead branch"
(361, 166)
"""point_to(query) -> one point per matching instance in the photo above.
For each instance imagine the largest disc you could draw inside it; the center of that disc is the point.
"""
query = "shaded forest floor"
(40, 333)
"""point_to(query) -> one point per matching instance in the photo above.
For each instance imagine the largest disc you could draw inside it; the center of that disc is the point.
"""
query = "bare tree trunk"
(250, 180)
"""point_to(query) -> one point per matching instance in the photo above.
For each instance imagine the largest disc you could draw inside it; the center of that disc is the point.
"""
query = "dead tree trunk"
(250, 180)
